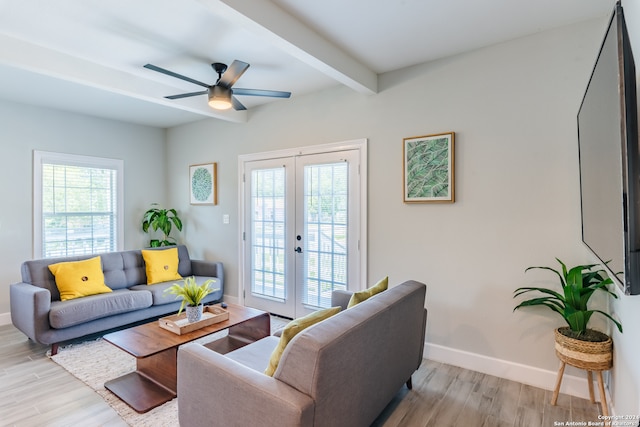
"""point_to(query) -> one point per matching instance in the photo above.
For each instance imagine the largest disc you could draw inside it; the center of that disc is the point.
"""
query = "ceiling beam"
(269, 21)
(27, 56)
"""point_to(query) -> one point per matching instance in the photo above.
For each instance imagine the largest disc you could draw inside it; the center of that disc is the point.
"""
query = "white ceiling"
(86, 56)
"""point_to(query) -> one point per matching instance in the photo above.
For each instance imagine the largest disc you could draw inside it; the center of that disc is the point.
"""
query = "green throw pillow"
(358, 297)
(292, 329)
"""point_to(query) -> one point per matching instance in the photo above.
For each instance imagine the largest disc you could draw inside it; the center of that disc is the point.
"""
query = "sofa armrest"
(340, 298)
(30, 307)
(208, 269)
(423, 337)
(213, 389)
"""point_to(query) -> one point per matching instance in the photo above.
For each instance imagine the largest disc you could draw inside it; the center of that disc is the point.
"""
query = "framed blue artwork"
(203, 184)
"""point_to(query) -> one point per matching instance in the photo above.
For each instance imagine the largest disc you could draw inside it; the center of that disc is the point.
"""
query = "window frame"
(45, 157)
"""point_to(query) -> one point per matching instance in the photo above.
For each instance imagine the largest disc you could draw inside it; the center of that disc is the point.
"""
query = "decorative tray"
(178, 323)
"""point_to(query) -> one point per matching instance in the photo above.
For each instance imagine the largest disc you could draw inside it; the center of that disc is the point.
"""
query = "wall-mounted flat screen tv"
(609, 159)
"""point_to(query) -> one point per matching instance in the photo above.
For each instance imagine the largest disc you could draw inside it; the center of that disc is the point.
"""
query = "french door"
(302, 230)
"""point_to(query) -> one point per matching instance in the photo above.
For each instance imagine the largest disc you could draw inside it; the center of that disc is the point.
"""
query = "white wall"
(24, 129)
(513, 107)
(625, 384)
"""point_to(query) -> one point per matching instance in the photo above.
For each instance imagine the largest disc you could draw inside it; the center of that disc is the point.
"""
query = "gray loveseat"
(342, 371)
(37, 311)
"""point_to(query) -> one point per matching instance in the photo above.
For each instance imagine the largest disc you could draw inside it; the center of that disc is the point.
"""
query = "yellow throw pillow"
(76, 279)
(161, 265)
(358, 297)
(292, 329)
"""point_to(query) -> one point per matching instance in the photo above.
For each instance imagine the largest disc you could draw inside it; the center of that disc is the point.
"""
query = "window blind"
(79, 206)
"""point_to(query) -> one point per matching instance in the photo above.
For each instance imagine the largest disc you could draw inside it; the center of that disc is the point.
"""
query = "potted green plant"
(163, 220)
(576, 344)
(578, 285)
(192, 295)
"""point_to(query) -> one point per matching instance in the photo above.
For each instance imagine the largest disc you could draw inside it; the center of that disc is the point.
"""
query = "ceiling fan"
(221, 94)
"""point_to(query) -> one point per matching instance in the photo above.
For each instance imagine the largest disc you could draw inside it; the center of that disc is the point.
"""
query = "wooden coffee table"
(154, 381)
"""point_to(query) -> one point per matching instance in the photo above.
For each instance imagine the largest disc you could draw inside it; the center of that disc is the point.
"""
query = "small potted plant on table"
(576, 344)
(192, 295)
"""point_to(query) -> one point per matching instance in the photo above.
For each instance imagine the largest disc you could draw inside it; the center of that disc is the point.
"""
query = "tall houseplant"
(163, 220)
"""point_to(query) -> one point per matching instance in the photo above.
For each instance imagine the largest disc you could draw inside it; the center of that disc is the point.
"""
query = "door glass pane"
(268, 233)
(325, 232)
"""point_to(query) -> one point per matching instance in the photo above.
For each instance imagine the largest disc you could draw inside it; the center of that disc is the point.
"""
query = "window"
(77, 205)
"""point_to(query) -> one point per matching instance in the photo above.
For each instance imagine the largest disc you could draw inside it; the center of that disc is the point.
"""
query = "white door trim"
(356, 144)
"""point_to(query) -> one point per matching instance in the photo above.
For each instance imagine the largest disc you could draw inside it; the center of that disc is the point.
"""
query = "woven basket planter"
(592, 356)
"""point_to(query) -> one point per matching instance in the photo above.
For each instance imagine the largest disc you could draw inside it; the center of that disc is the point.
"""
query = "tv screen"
(609, 161)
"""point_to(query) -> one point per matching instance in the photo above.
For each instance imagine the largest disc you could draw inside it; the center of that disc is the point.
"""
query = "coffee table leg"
(152, 384)
(253, 329)
(243, 334)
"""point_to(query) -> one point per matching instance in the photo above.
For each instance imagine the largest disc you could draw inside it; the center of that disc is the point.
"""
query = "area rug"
(96, 362)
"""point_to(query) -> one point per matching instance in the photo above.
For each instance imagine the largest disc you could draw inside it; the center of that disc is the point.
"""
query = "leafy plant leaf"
(190, 291)
(163, 220)
(578, 285)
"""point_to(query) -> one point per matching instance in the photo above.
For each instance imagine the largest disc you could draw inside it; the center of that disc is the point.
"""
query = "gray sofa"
(342, 371)
(37, 311)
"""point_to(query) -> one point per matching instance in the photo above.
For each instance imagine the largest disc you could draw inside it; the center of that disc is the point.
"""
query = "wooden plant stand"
(590, 356)
(603, 397)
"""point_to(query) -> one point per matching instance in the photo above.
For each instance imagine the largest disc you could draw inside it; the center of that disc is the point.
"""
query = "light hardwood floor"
(34, 391)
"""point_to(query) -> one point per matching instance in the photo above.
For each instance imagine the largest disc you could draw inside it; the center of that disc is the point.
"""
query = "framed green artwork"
(428, 174)
(203, 184)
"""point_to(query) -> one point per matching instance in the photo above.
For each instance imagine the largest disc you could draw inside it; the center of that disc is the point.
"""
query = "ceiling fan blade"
(237, 105)
(232, 74)
(186, 95)
(176, 75)
(260, 92)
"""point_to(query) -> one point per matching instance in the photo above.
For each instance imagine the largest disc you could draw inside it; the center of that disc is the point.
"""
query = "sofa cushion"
(161, 265)
(127, 268)
(77, 311)
(358, 297)
(159, 296)
(121, 269)
(256, 355)
(76, 279)
(113, 269)
(292, 329)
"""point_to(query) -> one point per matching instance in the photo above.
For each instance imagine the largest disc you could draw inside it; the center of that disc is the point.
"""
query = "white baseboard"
(542, 378)
(229, 298)
(612, 408)
(5, 319)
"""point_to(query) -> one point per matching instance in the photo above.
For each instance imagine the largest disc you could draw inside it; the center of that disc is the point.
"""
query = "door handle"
(298, 249)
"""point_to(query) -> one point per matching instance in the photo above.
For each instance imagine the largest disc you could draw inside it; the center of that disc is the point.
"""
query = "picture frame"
(203, 184)
(428, 168)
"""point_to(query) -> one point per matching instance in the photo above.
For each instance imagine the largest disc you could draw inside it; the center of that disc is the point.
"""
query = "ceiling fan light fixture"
(220, 94)
(220, 98)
